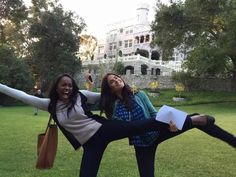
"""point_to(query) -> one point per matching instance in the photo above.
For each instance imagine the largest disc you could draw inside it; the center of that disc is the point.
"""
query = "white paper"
(167, 114)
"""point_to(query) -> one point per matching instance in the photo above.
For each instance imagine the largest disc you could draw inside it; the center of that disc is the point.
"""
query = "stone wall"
(143, 81)
(165, 82)
(140, 81)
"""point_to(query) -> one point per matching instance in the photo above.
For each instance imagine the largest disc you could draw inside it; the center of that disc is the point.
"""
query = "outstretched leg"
(165, 134)
(206, 124)
(219, 133)
(116, 129)
(110, 131)
(202, 120)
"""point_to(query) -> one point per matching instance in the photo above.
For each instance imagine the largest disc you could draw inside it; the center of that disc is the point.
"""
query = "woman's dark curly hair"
(108, 98)
(53, 95)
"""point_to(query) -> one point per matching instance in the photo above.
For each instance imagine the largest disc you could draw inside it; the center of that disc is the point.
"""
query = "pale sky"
(97, 14)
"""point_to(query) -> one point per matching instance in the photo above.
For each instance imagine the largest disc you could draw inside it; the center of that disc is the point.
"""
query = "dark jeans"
(145, 156)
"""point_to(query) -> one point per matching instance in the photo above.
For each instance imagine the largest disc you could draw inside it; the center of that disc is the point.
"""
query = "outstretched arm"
(41, 103)
(92, 97)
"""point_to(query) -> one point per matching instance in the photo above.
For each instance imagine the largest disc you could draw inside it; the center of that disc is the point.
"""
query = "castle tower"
(142, 13)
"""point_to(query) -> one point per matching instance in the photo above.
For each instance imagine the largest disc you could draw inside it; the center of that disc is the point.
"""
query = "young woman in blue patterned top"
(119, 102)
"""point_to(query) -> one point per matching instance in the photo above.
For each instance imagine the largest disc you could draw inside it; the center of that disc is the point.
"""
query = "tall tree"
(13, 17)
(14, 72)
(204, 29)
(55, 43)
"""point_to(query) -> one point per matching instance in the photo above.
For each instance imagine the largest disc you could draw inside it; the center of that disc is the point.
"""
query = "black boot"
(210, 120)
(202, 120)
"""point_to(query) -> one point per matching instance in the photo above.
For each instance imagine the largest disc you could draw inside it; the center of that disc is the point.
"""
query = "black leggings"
(113, 130)
(145, 156)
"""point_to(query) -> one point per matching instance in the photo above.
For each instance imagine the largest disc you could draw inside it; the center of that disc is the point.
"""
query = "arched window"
(136, 40)
(153, 37)
(142, 52)
(144, 69)
(142, 39)
(152, 71)
(120, 53)
(147, 38)
(158, 72)
(155, 55)
(129, 69)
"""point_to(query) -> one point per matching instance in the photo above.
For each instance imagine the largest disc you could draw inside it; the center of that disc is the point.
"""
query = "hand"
(172, 127)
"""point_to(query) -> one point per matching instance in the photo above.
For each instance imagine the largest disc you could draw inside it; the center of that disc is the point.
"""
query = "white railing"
(174, 65)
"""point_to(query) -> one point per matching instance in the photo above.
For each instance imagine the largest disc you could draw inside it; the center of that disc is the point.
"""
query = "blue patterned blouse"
(136, 113)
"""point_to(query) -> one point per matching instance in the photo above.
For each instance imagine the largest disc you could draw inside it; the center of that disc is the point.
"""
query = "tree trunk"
(2, 36)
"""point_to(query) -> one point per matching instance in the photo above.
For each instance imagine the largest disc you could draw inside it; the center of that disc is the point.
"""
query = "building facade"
(128, 41)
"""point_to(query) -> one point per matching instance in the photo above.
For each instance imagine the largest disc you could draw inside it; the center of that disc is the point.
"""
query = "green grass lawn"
(193, 97)
(193, 154)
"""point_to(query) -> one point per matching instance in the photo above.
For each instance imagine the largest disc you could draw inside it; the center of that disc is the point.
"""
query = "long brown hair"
(108, 98)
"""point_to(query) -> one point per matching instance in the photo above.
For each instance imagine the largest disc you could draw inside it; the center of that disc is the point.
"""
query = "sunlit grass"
(193, 154)
(193, 97)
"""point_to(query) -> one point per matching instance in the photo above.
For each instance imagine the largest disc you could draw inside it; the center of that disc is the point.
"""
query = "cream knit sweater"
(76, 122)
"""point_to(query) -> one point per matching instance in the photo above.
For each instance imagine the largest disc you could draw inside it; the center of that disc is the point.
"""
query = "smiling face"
(116, 84)
(64, 89)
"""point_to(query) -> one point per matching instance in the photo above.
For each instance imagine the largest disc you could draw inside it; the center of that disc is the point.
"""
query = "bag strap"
(49, 122)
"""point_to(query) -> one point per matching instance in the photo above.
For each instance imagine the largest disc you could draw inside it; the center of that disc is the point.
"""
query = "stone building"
(128, 37)
(129, 41)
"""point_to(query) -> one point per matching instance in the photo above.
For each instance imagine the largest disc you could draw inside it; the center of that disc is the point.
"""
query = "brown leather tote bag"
(47, 146)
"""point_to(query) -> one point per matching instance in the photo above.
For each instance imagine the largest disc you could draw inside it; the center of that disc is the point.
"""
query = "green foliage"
(12, 10)
(184, 78)
(119, 68)
(13, 20)
(14, 72)
(205, 30)
(56, 42)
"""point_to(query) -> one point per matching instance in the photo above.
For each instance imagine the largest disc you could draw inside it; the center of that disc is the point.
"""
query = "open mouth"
(66, 94)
